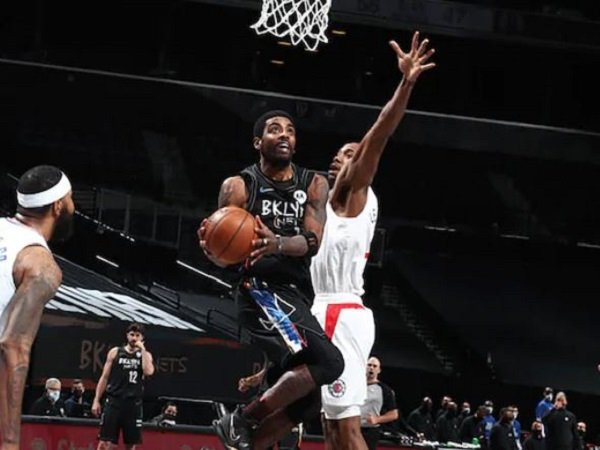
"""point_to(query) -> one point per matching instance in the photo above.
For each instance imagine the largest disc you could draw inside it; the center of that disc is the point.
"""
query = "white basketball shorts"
(351, 328)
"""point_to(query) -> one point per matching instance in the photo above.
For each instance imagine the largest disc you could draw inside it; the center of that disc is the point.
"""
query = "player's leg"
(352, 330)
(322, 361)
(109, 425)
(131, 420)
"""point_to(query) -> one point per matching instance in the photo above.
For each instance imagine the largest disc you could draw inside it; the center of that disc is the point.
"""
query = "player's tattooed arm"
(233, 193)
(37, 277)
(303, 244)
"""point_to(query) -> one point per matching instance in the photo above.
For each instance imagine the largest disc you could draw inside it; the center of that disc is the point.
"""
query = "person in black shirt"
(561, 426)
(447, 424)
(422, 421)
(167, 417)
(536, 440)
(122, 380)
(50, 403)
(470, 428)
(275, 294)
(75, 405)
(502, 436)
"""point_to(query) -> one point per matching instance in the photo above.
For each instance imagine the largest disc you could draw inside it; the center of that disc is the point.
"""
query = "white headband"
(56, 192)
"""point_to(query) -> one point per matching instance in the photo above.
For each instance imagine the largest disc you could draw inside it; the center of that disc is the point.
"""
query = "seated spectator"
(421, 420)
(168, 416)
(75, 405)
(50, 403)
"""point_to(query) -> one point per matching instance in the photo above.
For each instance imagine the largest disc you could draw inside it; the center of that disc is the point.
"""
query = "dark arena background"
(484, 272)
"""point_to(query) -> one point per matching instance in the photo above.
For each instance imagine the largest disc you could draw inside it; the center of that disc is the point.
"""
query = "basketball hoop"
(304, 21)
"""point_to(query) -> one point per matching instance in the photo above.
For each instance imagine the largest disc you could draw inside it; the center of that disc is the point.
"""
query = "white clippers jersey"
(337, 270)
(14, 237)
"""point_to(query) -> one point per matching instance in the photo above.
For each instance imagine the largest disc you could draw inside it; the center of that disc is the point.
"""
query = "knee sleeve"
(328, 365)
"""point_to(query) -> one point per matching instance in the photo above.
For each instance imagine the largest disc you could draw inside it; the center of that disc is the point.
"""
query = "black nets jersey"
(281, 206)
(126, 375)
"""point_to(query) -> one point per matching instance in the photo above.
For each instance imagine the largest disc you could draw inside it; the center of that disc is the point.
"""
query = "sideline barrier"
(48, 433)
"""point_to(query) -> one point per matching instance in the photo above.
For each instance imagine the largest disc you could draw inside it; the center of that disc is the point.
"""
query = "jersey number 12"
(133, 375)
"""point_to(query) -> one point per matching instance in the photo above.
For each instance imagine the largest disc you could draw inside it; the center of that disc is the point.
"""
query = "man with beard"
(337, 270)
(29, 278)
(122, 380)
(275, 294)
(422, 421)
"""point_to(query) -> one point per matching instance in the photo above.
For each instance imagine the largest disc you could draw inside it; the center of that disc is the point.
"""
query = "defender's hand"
(412, 64)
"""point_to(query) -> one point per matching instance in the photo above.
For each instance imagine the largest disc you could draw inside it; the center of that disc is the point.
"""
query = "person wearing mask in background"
(470, 429)
(536, 440)
(465, 411)
(488, 421)
(167, 417)
(560, 426)
(443, 406)
(421, 420)
(516, 425)
(446, 425)
(545, 404)
(502, 436)
(581, 430)
(75, 406)
(50, 403)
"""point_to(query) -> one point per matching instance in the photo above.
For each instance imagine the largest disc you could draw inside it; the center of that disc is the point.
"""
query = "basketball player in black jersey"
(122, 380)
(275, 295)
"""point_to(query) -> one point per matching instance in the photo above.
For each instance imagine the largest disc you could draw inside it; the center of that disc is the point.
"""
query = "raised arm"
(37, 277)
(364, 163)
(147, 360)
(306, 243)
(102, 382)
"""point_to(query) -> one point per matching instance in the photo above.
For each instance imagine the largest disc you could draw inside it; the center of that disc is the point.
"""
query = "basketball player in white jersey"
(29, 278)
(337, 269)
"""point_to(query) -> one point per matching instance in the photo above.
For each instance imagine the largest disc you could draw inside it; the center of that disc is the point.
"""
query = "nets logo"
(337, 389)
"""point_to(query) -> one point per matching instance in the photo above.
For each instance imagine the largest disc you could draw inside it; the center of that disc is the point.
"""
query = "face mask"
(490, 410)
(537, 432)
(516, 415)
(53, 396)
(466, 411)
(548, 397)
(77, 393)
(170, 416)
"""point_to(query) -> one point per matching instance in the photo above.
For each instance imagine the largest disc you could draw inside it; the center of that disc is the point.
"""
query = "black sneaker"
(234, 431)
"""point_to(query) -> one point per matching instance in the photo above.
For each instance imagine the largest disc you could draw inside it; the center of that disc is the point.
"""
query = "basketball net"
(304, 21)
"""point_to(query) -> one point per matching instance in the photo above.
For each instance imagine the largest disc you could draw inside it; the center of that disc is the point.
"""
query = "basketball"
(229, 234)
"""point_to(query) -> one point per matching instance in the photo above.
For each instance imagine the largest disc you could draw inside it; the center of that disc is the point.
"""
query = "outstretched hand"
(413, 63)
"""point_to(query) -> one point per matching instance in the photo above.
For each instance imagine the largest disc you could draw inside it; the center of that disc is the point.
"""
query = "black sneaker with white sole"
(234, 431)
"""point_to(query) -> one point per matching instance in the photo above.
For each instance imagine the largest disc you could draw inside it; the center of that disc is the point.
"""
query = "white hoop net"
(304, 21)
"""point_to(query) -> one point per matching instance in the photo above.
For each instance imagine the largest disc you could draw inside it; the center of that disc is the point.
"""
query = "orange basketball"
(229, 234)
